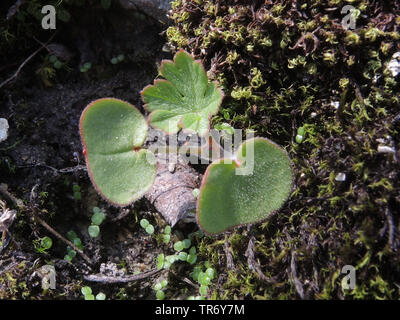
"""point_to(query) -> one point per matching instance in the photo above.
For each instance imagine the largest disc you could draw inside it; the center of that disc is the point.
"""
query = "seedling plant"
(113, 132)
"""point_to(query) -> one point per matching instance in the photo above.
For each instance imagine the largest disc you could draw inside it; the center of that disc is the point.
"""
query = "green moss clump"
(283, 68)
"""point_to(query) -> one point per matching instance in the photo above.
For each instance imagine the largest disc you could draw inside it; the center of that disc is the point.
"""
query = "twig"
(15, 75)
(22, 206)
(293, 269)
(8, 267)
(122, 214)
(186, 280)
(391, 228)
(253, 265)
(109, 279)
(63, 170)
(229, 259)
(358, 93)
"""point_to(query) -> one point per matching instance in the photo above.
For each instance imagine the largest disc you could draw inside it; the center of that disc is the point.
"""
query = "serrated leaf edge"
(179, 126)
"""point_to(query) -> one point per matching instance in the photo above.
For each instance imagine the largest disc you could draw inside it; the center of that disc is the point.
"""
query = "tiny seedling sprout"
(43, 244)
(159, 288)
(147, 226)
(71, 253)
(88, 294)
(97, 219)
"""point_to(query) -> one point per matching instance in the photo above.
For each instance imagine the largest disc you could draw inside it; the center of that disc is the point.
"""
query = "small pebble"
(341, 177)
(171, 167)
(385, 149)
(335, 104)
(3, 129)
(394, 64)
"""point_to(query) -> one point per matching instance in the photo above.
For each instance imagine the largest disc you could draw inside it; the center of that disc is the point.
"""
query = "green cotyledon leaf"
(184, 99)
(228, 199)
(112, 132)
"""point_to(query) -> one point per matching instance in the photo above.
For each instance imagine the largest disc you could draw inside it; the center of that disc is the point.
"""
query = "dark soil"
(42, 158)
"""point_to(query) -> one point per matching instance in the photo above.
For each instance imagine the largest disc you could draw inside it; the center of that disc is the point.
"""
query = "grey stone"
(156, 9)
(3, 129)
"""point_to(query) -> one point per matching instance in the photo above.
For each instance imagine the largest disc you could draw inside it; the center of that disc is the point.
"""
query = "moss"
(13, 283)
(175, 36)
(281, 70)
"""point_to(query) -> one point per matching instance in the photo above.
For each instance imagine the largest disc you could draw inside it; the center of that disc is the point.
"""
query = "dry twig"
(32, 213)
(109, 279)
(15, 75)
(254, 265)
(229, 259)
(296, 281)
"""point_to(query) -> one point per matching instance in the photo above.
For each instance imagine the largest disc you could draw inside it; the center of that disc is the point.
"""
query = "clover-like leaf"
(229, 199)
(112, 132)
(184, 99)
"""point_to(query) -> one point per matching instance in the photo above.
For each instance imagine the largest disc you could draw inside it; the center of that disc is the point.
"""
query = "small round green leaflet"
(196, 192)
(94, 231)
(167, 230)
(192, 251)
(150, 229)
(53, 58)
(191, 258)
(57, 64)
(96, 210)
(78, 243)
(164, 283)
(203, 290)
(144, 223)
(77, 192)
(157, 286)
(210, 272)
(182, 256)
(228, 199)
(98, 218)
(179, 246)
(71, 253)
(195, 274)
(160, 261)
(160, 295)
(86, 290)
(204, 279)
(166, 238)
(46, 243)
(100, 296)
(112, 132)
(171, 259)
(71, 235)
(300, 135)
(186, 243)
